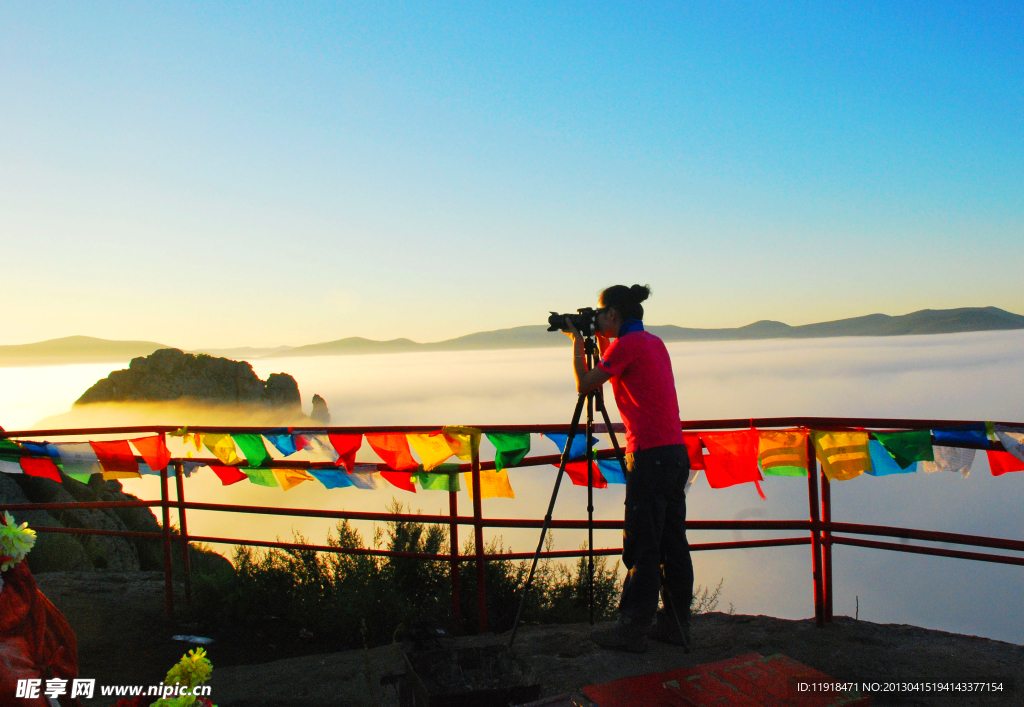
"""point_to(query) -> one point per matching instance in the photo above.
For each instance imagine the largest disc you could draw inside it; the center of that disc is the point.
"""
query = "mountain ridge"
(85, 349)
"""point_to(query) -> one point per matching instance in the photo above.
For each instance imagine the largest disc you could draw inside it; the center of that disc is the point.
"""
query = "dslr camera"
(585, 320)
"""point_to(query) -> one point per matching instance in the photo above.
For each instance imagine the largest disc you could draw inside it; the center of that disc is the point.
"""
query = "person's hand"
(573, 332)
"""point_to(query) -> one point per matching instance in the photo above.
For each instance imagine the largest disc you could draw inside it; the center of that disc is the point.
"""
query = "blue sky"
(294, 173)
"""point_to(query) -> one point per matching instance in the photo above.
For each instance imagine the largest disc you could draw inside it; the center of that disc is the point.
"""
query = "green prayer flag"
(785, 471)
(10, 451)
(262, 477)
(907, 447)
(83, 478)
(252, 447)
(511, 448)
(444, 477)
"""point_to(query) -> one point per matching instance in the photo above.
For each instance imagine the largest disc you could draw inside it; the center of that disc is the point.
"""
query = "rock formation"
(171, 374)
(320, 414)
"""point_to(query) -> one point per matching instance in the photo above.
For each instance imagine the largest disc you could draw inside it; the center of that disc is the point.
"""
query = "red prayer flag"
(116, 456)
(732, 457)
(228, 474)
(154, 451)
(346, 446)
(577, 471)
(40, 466)
(694, 450)
(400, 479)
(1003, 462)
(393, 449)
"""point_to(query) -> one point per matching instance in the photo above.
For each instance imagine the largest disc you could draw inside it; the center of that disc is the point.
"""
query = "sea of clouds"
(958, 376)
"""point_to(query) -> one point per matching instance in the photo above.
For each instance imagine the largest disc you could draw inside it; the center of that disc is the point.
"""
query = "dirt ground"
(124, 640)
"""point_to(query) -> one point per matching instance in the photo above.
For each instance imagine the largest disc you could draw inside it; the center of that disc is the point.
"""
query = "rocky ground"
(124, 639)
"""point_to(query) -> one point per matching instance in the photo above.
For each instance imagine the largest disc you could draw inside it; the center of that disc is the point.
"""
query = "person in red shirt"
(654, 547)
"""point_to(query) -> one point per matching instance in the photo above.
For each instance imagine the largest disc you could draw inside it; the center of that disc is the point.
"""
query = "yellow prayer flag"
(290, 478)
(843, 455)
(432, 447)
(493, 484)
(463, 441)
(782, 449)
(222, 447)
(108, 475)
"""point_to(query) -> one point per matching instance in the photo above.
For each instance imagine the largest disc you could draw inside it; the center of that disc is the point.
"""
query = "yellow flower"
(15, 541)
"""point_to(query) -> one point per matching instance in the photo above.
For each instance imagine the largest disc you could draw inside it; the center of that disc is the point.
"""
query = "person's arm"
(586, 381)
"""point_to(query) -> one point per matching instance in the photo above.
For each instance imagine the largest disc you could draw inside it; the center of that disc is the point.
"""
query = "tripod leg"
(551, 507)
(590, 504)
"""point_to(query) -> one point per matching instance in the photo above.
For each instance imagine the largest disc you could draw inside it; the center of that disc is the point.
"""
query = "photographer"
(655, 551)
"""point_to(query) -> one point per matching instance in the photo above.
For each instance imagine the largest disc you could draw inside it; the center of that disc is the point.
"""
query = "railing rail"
(820, 530)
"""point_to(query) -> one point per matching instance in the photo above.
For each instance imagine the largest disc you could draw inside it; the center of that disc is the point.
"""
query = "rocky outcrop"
(320, 414)
(171, 374)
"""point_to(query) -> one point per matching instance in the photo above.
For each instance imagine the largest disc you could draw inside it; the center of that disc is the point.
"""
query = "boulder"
(171, 374)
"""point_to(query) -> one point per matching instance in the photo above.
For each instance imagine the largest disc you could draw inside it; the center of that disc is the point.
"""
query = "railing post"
(812, 497)
(478, 541)
(186, 560)
(826, 544)
(453, 541)
(168, 579)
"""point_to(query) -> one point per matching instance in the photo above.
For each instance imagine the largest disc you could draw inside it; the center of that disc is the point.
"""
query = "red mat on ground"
(750, 680)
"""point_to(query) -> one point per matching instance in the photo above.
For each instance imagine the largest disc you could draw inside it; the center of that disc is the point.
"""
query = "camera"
(585, 321)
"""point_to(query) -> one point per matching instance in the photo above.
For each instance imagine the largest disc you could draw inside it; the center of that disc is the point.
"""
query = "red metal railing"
(819, 530)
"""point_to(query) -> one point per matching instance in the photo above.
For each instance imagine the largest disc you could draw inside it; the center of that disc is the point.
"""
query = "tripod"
(593, 399)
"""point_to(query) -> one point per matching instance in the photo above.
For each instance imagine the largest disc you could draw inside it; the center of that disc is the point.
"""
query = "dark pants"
(654, 547)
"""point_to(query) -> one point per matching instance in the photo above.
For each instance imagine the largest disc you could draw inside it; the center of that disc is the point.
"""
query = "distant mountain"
(75, 349)
(85, 349)
(926, 321)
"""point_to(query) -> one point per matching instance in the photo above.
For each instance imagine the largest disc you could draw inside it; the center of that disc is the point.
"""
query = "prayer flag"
(463, 441)
(282, 441)
(694, 450)
(331, 478)
(510, 447)
(950, 459)
(7, 467)
(883, 463)
(399, 479)
(346, 446)
(1000, 462)
(393, 450)
(964, 434)
(731, 458)
(843, 455)
(364, 480)
(222, 447)
(10, 451)
(579, 444)
(783, 452)
(154, 451)
(432, 447)
(907, 447)
(493, 484)
(261, 477)
(318, 446)
(445, 477)
(116, 456)
(611, 470)
(79, 460)
(40, 466)
(290, 478)
(228, 474)
(256, 454)
(577, 471)
(1012, 439)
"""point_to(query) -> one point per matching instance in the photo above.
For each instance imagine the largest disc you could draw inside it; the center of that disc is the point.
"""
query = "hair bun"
(640, 292)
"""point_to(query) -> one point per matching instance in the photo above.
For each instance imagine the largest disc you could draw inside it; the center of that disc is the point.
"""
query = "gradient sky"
(226, 175)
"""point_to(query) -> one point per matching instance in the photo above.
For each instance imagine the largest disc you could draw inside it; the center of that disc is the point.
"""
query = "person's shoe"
(625, 635)
(666, 630)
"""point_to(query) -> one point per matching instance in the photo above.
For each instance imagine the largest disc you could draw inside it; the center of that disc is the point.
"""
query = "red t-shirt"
(645, 391)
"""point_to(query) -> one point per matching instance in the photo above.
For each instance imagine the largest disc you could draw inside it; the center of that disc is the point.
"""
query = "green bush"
(332, 594)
